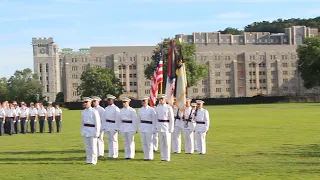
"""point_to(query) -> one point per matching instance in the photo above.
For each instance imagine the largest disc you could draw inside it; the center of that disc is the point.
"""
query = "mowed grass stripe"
(266, 141)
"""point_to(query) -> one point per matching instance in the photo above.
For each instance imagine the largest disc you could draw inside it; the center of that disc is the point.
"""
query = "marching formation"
(164, 121)
(15, 119)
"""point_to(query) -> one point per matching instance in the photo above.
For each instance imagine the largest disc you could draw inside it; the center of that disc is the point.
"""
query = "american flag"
(157, 78)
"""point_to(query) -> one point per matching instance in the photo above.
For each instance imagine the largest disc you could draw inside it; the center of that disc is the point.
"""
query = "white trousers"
(188, 141)
(195, 141)
(129, 145)
(147, 145)
(176, 139)
(113, 144)
(201, 142)
(155, 141)
(165, 143)
(101, 145)
(91, 149)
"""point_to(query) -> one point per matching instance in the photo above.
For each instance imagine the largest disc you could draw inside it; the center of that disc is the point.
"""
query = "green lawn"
(274, 141)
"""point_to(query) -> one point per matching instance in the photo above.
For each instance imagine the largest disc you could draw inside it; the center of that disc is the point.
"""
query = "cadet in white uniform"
(16, 122)
(147, 120)
(128, 127)
(188, 128)
(58, 117)
(202, 126)
(178, 125)
(111, 126)
(2, 119)
(50, 116)
(164, 126)
(96, 105)
(10, 118)
(42, 112)
(24, 117)
(33, 113)
(90, 130)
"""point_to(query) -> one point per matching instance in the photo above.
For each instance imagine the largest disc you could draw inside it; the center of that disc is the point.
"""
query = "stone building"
(239, 65)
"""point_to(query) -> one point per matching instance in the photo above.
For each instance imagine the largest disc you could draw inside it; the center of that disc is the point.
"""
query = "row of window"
(240, 40)
(130, 67)
(217, 66)
(130, 75)
(131, 83)
(47, 68)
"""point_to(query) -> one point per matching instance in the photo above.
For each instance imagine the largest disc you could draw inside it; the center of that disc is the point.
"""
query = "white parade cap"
(199, 101)
(125, 99)
(109, 96)
(96, 98)
(87, 99)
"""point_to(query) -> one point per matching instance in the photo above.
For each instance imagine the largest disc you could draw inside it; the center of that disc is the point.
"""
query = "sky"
(83, 23)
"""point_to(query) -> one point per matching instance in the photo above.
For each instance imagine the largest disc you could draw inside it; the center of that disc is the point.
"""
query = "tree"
(98, 81)
(309, 62)
(59, 97)
(195, 72)
(233, 31)
(24, 86)
(3, 89)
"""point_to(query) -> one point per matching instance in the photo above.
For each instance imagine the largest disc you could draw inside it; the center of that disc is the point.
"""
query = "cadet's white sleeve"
(102, 118)
(96, 118)
(81, 124)
(134, 119)
(118, 119)
(171, 119)
(154, 120)
(207, 119)
(138, 118)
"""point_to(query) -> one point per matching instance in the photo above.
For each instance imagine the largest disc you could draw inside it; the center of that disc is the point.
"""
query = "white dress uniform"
(188, 131)
(51, 117)
(178, 125)
(10, 115)
(90, 130)
(100, 138)
(33, 112)
(202, 120)
(58, 114)
(128, 127)
(24, 113)
(147, 120)
(2, 121)
(111, 128)
(42, 115)
(165, 126)
(17, 121)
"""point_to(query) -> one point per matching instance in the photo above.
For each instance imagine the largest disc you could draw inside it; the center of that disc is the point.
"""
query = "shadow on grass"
(54, 152)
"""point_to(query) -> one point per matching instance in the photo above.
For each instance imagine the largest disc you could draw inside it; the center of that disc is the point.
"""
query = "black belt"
(200, 122)
(126, 121)
(89, 125)
(161, 120)
(147, 122)
(110, 121)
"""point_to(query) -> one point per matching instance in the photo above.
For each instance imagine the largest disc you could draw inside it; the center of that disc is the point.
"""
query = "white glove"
(60, 119)
(14, 121)
(45, 119)
(35, 120)
(53, 120)
(26, 120)
(19, 120)
(3, 122)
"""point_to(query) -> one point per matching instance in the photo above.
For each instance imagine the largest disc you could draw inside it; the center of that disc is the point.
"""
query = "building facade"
(239, 65)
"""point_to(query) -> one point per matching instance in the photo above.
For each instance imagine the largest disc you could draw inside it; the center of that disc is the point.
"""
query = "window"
(273, 81)
(262, 80)
(218, 89)
(47, 67)
(284, 64)
(48, 88)
(294, 72)
(134, 67)
(285, 88)
(195, 90)
(262, 64)
(273, 65)
(130, 75)
(273, 72)
(262, 73)
(228, 73)
(262, 57)
(120, 76)
(218, 81)
(84, 68)
(274, 88)
(228, 81)
(124, 83)
(74, 68)
(47, 79)
(285, 80)
(285, 72)
(40, 67)
(204, 90)
(228, 65)
(147, 91)
(41, 79)
(147, 83)
(252, 73)
(228, 89)
(75, 60)
(74, 85)
(134, 83)
(217, 66)
(217, 73)
(130, 67)
(134, 75)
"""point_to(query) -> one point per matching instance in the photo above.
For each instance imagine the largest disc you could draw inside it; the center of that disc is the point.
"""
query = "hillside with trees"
(276, 26)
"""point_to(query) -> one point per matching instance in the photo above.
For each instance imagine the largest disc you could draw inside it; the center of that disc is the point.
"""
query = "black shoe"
(128, 158)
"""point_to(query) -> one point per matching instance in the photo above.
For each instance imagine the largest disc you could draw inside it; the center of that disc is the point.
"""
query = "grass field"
(278, 141)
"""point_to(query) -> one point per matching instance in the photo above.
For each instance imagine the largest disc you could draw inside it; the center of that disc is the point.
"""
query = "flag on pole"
(170, 85)
(181, 84)
(157, 78)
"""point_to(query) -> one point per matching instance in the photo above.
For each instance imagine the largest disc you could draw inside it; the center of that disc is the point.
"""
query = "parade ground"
(266, 141)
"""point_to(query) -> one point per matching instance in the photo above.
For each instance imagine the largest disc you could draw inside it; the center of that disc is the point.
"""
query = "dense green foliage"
(22, 86)
(276, 26)
(195, 72)
(98, 81)
(59, 97)
(274, 141)
(309, 62)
